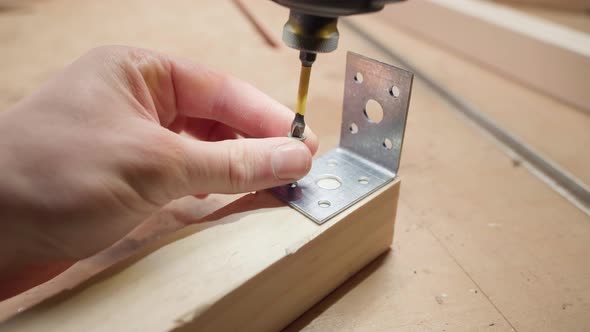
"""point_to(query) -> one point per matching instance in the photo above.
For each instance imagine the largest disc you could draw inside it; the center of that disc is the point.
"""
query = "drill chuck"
(312, 23)
(311, 33)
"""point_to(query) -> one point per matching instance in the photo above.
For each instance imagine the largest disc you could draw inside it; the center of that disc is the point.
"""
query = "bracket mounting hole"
(358, 77)
(388, 144)
(373, 111)
(329, 182)
(363, 180)
(394, 91)
(324, 204)
(353, 128)
(332, 162)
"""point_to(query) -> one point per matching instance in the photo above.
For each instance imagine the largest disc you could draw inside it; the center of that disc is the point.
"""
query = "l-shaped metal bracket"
(368, 155)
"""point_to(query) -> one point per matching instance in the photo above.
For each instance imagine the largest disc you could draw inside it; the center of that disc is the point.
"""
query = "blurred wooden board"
(480, 243)
(578, 5)
(578, 20)
(542, 55)
(554, 129)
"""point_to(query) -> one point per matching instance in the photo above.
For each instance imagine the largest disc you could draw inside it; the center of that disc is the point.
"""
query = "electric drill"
(311, 29)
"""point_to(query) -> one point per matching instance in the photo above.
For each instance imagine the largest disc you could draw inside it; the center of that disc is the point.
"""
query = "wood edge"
(520, 22)
(569, 5)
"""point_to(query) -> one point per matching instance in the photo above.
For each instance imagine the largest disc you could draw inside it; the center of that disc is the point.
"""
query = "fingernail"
(290, 161)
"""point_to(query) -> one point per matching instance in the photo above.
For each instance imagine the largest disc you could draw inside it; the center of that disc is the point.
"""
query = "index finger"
(202, 92)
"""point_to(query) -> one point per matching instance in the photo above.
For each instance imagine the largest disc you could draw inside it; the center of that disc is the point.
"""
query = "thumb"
(242, 165)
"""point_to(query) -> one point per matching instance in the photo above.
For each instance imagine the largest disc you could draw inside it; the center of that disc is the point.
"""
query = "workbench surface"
(480, 243)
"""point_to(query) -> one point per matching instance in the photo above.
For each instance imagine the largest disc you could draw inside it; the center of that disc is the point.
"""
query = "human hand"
(97, 149)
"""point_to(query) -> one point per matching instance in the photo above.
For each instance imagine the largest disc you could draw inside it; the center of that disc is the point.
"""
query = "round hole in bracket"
(353, 128)
(329, 182)
(373, 111)
(363, 180)
(394, 91)
(388, 144)
(332, 162)
(324, 203)
(358, 77)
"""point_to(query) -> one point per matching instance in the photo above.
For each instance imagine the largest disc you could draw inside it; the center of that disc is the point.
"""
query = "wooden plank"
(577, 20)
(542, 55)
(554, 129)
(254, 265)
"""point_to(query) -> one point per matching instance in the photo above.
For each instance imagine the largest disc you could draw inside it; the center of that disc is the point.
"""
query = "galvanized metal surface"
(389, 86)
(369, 151)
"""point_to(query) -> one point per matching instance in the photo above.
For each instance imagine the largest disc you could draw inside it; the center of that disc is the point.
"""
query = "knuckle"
(99, 50)
(166, 157)
(239, 171)
(159, 168)
(103, 51)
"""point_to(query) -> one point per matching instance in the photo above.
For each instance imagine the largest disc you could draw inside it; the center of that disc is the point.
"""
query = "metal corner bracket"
(368, 155)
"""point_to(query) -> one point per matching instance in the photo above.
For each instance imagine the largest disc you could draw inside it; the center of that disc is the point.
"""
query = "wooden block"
(254, 265)
(542, 55)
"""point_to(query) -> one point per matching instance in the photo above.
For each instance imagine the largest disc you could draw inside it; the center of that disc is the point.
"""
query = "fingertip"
(291, 161)
(311, 140)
